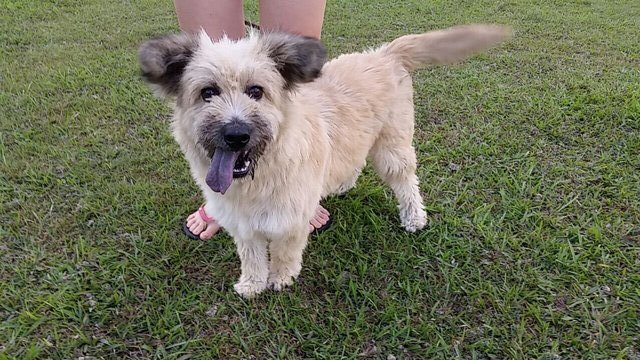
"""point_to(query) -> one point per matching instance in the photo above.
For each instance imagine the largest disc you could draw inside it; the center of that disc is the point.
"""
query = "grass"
(529, 164)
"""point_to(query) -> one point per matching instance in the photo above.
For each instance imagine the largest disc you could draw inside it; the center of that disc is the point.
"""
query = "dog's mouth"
(242, 165)
(225, 166)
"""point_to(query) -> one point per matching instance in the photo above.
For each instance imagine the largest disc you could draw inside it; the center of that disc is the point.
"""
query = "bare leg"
(217, 17)
(299, 17)
(303, 18)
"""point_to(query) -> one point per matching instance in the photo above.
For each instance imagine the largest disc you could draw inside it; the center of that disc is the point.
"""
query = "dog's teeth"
(244, 168)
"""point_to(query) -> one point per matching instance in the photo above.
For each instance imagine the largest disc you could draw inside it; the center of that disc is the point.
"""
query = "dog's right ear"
(163, 60)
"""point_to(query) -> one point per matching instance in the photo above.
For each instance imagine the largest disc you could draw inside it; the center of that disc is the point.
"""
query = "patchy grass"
(529, 163)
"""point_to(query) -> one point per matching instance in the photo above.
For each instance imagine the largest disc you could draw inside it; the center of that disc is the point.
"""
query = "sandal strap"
(204, 215)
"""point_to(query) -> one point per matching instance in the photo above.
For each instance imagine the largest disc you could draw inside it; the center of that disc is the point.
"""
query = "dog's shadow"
(365, 253)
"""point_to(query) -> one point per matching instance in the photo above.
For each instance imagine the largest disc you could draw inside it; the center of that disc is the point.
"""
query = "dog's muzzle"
(232, 161)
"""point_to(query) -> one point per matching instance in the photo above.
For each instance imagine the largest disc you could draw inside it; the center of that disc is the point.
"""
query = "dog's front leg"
(252, 251)
(286, 257)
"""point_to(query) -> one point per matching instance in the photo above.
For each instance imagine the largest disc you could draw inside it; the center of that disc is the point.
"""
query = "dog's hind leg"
(254, 259)
(396, 166)
(394, 159)
(350, 183)
(286, 257)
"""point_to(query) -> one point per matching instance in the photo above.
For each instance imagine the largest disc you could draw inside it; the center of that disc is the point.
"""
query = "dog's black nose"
(236, 135)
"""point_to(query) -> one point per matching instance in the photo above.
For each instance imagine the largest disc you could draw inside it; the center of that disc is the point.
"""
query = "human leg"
(217, 17)
(299, 17)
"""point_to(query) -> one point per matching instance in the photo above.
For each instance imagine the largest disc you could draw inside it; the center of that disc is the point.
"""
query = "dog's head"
(230, 95)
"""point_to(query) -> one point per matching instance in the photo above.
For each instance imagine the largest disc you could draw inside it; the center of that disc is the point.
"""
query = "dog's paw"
(413, 219)
(280, 281)
(249, 288)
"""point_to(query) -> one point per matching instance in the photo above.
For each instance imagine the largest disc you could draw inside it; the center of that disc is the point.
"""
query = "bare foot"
(200, 224)
(319, 219)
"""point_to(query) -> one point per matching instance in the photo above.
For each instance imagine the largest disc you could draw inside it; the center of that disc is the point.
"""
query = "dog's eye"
(209, 92)
(255, 92)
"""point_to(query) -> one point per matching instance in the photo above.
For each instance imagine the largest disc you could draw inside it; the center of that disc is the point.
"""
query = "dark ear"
(299, 59)
(163, 59)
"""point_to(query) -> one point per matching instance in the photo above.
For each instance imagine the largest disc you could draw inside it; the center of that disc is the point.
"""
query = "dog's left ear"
(299, 59)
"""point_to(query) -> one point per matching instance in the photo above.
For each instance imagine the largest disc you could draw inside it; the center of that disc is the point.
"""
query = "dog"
(269, 128)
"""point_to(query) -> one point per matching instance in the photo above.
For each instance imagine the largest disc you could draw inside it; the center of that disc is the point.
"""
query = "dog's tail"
(445, 46)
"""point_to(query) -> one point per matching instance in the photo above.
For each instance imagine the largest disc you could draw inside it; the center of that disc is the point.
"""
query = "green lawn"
(529, 164)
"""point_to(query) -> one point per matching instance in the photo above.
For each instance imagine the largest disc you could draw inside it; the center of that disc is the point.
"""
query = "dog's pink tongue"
(220, 173)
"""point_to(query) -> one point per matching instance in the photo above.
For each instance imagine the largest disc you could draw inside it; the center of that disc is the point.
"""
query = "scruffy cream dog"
(269, 129)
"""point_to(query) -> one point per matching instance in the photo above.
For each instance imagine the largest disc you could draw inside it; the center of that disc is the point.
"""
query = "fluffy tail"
(445, 46)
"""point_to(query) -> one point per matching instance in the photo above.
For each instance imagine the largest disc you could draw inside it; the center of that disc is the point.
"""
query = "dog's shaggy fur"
(310, 127)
